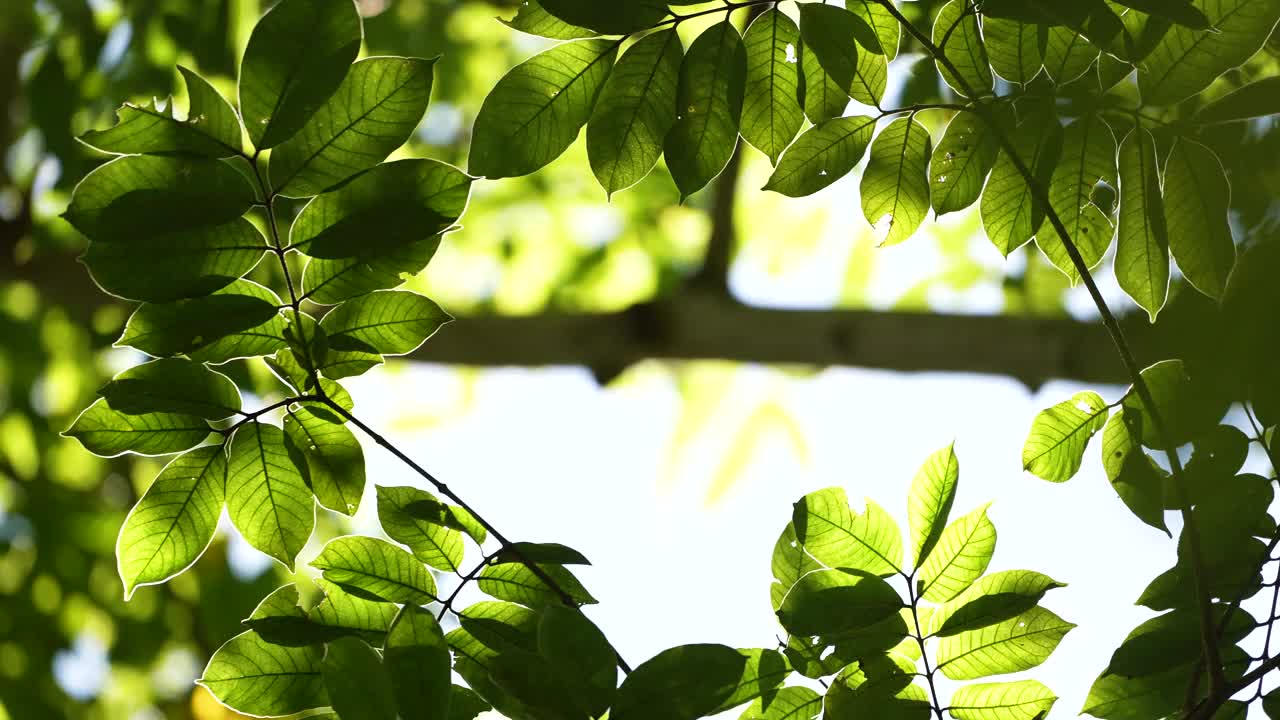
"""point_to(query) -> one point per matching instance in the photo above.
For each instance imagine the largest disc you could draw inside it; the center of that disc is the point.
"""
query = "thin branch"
(924, 653)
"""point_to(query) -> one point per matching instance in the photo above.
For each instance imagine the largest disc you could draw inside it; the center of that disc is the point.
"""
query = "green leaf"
(895, 185)
(381, 211)
(831, 532)
(882, 23)
(535, 111)
(825, 602)
(250, 675)
(826, 30)
(286, 367)
(1257, 99)
(822, 155)
(823, 98)
(709, 106)
(1067, 55)
(789, 703)
(173, 385)
(764, 672)
(491, 630)
(1197, 198)
(1059, 435)
(390, 322)
(682, 683)
(534, 19)
(139, 198)
(1271, 704)
(518, 583)
(1013, 47)
(637, 108)
(581, 658)
(1173, 639)
(373, 112)
(344, 613)
(788, 563)
(173, 523)
(1019, 643)
(1088, 157)
(871, 80)
(267, 499)
(188, 264)
(358, 688)
(622, 17)
(933, 491)
(964, 550)
(1142, 255)
(1185, 406)
(417, 661)
(1182, 12)
(961, 162)
(1116, 697)
(297, 56)
(771, 112)
(329, 282)
(211, 127)
(554, 553)
(1186, 61)
(1010, 212)
(465, 704)
(1021, 700)
(1133, 474)
(992, 599)
(108, 433)
(878, 687)
(415, 518)
(955, 31)
(376, 569)
(332, 460)
(240, 318)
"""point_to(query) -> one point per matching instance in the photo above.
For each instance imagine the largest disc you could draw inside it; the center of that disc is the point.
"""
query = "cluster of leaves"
(845, 620)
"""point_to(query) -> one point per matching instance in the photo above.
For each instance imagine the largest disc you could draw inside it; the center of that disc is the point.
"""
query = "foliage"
(294, 175)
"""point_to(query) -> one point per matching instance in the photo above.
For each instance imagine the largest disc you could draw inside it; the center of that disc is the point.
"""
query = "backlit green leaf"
(1055, 446)
(1185, 61)
(709, 108)
(174, 521)
(173, 385)
(331, 456)
(764, 671)
(425, 531)
(554, 553)
(992, 599)
(240, 318)
(252, 676)
(1257, 99)
(1010, 213)
(1013, 47)
(1019, 643)
(518, 583)
(372, 113)
(1088, 157)
(417, 661)
(825, 602)
(1133, 474)
(933, 491)
(637, 108)
(377, 569)
(822, 155)
(1142, 255)
(535, 112)
(788, 563)
(329, 282)
(831, 532)
(1173, 639)
(961, 162)
(534, 19)
(267, 499)
(771, 112)
(357, 686)
(617, 18)
(1021, 700)
(963, 552)
(1183, 404)
(297, 56)
(682, 683)
(789, 703)
(1197, 198)
(390, 322)
(895, 185)
(878, 687)
(955, 31)
(211, 128)
(108, 433)
(882, 23)
(1067, 54)
(823, 98)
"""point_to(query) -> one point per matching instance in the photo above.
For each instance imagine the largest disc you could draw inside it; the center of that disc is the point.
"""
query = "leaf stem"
(1209, 645)
(924, 653)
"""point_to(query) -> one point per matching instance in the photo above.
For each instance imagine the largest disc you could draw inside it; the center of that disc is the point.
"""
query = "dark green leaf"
(933, 491)
(267, 499)
(682, 683)
(826, 602)
(376, 569)
(1182, 12)
(637, 108)
(211, 128)
(764, 672)
(1183, 404)
(297, 56)
(252, 676)
(826, 30)
(169, 528)
(175, 386)
(831, 532)
(238, 318)
(465, 704)
(1116, 697)
(1257, 99)
(1010, 213)
(1067, 55)
(877, 687)
(963, 552)
(534, 19)
(373, 112)
(1173, 639)
(822, 97)
(390, 322)
(771, 112)
(895, 185)
(108, 433)
(554, 553)
(286, 367)
(1133, 475)
(1197, 199)
(580, 656)
(1186, 61)
(342, 613)
(358, 688)
(621, 17)
(1013, 47)
(1059, 435)
(1142, 255)
(329, 282)
(882, 23)
(331, 456)
(518, 583)
(1088, 157)
(417, 661)
(961, 162)
(823, 154)
(709, 108)
(992, 599)
(1019, 643)
(535, 112)
(955, 31)
(430, 532)
(1021, 700)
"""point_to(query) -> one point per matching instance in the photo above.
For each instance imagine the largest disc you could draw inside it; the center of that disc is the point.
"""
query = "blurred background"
(651, 383)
